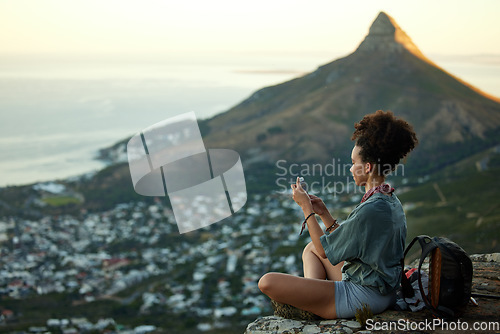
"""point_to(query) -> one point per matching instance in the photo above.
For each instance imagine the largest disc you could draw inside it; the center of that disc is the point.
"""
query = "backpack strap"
(405, 282)
(427, 245)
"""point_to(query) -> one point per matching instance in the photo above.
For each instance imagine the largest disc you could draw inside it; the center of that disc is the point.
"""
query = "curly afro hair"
(384, 140)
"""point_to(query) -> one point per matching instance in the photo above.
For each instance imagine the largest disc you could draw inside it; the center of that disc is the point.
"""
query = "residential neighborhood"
(135, 254)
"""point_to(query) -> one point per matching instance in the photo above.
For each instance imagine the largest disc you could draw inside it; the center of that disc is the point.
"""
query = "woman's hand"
(300, 196)
(319, 206)
(320, 209)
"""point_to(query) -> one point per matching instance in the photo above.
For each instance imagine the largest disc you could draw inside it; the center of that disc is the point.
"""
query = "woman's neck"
(374, 182)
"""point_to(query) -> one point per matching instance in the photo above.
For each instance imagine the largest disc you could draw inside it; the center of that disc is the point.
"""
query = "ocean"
(55, 114)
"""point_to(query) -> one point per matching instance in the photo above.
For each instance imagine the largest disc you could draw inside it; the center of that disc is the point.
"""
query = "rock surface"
(274, 324)
(476, 319)
(385, 34)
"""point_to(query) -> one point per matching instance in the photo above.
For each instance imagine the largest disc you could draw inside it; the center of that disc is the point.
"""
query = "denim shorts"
(350, 296)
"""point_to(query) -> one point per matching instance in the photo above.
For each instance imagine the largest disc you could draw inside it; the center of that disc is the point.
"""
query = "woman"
(359, 261)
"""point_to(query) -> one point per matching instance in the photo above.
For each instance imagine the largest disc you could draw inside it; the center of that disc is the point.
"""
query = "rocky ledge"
(483, 318)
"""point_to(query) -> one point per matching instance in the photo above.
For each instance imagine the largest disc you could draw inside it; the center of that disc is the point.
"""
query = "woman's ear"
(368, 168)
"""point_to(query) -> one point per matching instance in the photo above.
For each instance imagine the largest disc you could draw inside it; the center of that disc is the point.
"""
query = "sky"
(79, 75)
(158, 28)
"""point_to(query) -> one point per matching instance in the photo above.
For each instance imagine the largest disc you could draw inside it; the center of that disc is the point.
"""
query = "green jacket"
(371, 241)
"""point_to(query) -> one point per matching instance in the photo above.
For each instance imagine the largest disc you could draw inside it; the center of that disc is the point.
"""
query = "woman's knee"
(267, 282)
(308, 249)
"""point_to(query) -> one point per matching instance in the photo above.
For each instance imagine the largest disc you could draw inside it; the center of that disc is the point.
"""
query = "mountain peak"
(383, 24)
(386, 35)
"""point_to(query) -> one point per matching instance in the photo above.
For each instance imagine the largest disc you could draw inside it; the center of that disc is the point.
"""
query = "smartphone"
(303, 184)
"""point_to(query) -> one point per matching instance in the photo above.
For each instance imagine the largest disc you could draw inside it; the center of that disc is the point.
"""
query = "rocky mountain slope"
(311, 118)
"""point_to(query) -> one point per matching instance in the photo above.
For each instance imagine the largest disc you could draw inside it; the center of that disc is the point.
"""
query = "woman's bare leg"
(313, 295)
(317, 267)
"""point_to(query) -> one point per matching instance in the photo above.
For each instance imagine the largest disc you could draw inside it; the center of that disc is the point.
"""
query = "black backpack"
(450, 276)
